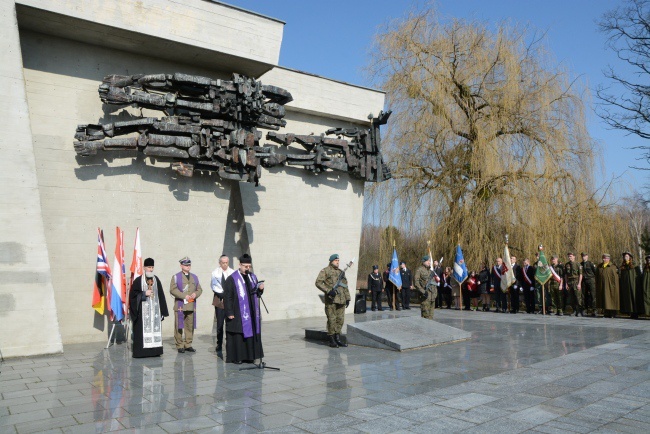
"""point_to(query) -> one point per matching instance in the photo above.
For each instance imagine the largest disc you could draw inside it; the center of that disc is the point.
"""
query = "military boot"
(333, 343)
(337, 338)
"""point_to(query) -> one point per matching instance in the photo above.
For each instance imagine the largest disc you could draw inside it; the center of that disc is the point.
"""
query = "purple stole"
(180, 303)
(242, 295)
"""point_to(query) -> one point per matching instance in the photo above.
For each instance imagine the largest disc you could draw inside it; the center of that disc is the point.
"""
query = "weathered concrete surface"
(405, 333)
(27, 310)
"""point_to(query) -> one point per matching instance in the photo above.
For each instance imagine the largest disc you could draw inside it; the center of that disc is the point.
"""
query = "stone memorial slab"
(402, 334)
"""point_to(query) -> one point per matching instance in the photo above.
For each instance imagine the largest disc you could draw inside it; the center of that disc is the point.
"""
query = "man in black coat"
(407, 285)
(388, 286)
(527, 280)
(515, 288)
(375, 286)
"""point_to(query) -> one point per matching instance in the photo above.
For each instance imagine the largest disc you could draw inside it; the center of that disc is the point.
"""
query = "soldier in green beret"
(573, 284)
(589, 284)
(425, 284)
(336, 299)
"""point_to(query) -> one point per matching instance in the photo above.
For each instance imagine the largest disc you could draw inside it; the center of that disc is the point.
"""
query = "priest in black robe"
(243, 320)
(148, 308)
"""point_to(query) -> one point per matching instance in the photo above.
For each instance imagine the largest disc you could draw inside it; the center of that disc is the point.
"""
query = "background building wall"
(290, 224)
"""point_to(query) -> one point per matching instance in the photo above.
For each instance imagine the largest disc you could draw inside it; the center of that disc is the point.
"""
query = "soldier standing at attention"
(425, 276)
(573, 284)
(336, 299)
(555, 283)
(588, 284)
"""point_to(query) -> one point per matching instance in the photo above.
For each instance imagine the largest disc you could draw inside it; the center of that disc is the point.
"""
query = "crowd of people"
(578, 288)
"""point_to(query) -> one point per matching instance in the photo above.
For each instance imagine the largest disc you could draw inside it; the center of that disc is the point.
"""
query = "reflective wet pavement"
(517, 373)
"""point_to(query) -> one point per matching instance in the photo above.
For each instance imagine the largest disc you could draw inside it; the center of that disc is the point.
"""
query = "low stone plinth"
(406, 333)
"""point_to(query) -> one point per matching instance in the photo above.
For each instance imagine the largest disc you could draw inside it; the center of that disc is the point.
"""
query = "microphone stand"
(256, 337)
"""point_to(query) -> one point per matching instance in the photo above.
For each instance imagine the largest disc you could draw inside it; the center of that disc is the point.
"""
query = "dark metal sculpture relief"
(212, 125)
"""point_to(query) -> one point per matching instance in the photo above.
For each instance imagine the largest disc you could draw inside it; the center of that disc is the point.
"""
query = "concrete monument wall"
(290, 224)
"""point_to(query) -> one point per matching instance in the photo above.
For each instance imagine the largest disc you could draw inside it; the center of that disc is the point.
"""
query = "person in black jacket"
(484, 286)
(375, 286)
(527, 280)
(407, 285)
(515, 288)
(389, 287)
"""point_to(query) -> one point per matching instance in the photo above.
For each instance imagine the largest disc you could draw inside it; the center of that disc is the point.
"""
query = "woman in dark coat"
(148, 308)
(628, 274)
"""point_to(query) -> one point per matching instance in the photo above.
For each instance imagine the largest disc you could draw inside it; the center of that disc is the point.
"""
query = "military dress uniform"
(334, 306)
(573, 279)
(427, 297)
(557, 301)
(589, 286)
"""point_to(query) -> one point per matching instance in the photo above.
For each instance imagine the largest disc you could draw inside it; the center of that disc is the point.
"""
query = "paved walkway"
(518, 373)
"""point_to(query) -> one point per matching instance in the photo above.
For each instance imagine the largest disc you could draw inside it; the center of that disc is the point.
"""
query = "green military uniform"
(557, 302)
(334, 307)
(427, 297)
(589, 286)
(573, 281)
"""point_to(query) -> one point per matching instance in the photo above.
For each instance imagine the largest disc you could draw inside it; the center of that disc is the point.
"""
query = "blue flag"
(394, 275)
(460, 270)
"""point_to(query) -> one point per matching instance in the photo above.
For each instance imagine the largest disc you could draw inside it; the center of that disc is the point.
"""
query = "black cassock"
(239, 348)
(136, 296)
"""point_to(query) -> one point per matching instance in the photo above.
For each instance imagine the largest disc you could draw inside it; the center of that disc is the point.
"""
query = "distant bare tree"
(626, 102)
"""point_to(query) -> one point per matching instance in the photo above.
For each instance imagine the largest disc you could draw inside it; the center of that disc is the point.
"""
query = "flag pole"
(394, 290)
(543, 293)
(460, 285)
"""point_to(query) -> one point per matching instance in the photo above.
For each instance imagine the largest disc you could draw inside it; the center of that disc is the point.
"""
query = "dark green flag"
(543, 272)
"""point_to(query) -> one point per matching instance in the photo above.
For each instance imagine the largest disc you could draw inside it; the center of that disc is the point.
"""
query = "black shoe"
(333, 343)
(237, 362)
(381, 309)
(373, 309)
(399, 308)
(219, 348)
(576, 312)
(190, 350)
(181, 350)
(337, 339)
(407, 308)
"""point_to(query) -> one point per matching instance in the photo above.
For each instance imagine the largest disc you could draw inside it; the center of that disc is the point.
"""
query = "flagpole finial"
(506, 238)
(393, 244)
(428, 243)
(540, 247)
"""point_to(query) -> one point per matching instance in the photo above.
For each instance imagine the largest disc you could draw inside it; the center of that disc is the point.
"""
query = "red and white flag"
(136, 263)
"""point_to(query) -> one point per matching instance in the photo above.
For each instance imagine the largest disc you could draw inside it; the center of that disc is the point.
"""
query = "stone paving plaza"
(518, 373)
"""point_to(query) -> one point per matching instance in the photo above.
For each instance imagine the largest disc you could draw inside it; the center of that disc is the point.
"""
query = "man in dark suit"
(515, 288)
(407, 285)
(500, 297)
(389, 287)
(527, 280)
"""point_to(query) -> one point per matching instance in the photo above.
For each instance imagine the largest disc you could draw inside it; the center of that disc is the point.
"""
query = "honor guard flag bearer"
(395, 277)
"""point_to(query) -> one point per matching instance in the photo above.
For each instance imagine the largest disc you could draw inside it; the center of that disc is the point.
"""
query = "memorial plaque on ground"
(402, 334)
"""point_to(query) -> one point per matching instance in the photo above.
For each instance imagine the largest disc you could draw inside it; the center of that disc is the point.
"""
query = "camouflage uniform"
(589, 285)
(572, 274)
(427, 298)
(334, 308)
(557, 302)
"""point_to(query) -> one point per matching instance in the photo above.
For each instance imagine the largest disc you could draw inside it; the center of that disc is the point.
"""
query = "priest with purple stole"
(243, 321)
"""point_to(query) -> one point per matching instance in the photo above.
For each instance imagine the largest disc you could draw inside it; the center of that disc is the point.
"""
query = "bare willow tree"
(488, 138)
